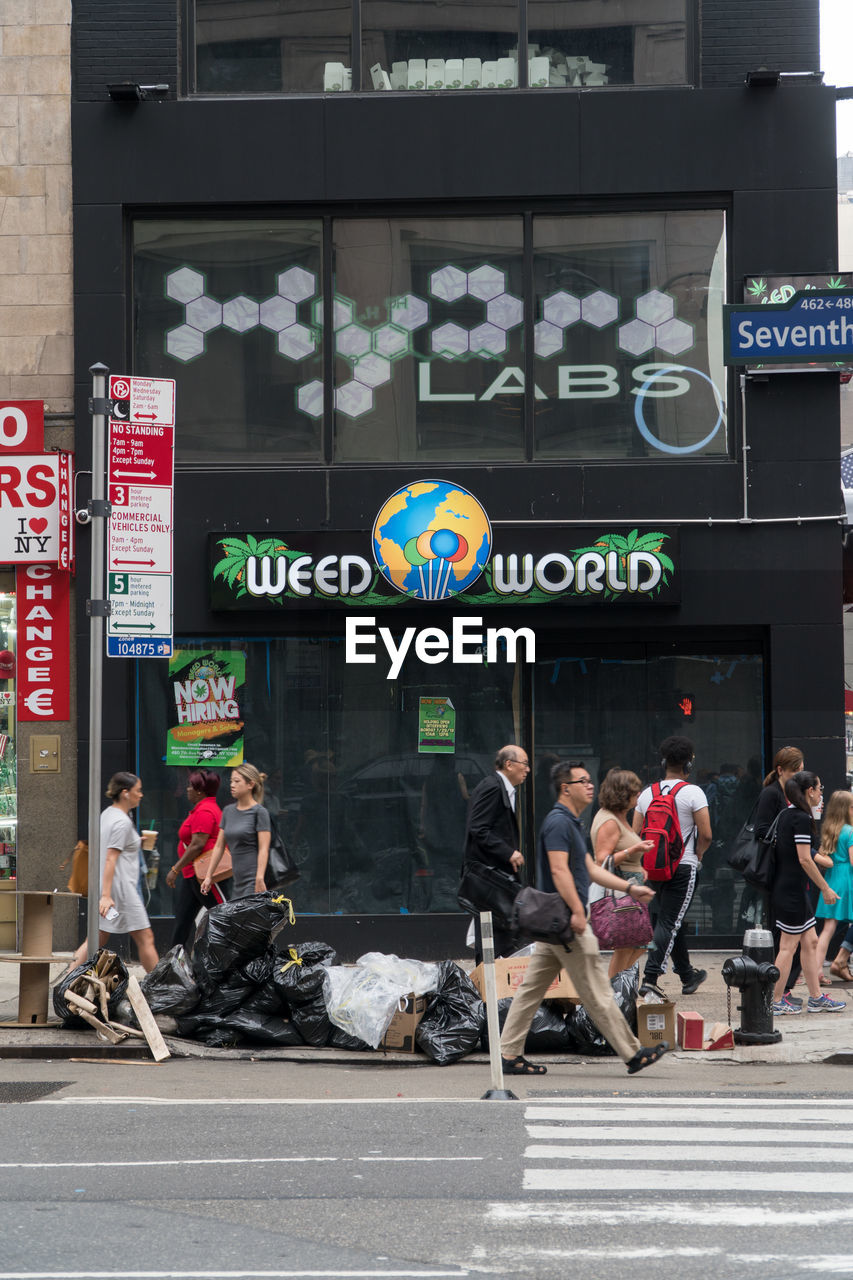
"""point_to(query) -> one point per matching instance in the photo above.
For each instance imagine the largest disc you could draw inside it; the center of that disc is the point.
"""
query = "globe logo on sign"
(432, 539)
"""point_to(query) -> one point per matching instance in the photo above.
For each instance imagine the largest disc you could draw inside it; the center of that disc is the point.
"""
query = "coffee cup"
(149, 840)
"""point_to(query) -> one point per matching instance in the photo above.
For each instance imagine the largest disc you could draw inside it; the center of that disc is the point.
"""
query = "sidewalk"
(808, 1038)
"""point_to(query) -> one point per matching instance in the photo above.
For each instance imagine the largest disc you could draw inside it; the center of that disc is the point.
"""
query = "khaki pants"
(584, 966)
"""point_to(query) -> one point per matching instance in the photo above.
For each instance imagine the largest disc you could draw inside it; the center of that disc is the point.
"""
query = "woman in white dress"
(120, 907)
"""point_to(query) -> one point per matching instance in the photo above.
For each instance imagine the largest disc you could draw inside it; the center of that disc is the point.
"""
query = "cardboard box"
(509, 975)
(720, 1036)
(689, 1029)
(655, 1022)
(400, 1036)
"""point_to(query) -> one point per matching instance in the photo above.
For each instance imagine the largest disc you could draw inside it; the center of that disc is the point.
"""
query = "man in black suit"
(491, 829)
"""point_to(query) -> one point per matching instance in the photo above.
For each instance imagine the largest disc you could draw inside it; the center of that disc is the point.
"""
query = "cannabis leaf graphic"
(756, 288)
(232, 567)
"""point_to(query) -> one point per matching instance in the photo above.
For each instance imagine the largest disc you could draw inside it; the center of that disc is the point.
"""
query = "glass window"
(589, 43)
(428, 339)
(440, 44)
(273, 46)
(628, 335)
(8, 741)
(231, 310)
(614, 707)
(375, 825)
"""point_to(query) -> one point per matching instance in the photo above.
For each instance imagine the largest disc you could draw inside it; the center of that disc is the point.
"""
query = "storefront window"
(8, 736)
(437, 45)
(435, 372)
(628, 335)
(430, 336)
(593, 43)
(235, 306)
(273, 46)
(615, 706)
(375, 824)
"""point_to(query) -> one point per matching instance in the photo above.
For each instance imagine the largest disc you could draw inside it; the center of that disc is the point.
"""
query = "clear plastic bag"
(414, 976)
(362, 1002)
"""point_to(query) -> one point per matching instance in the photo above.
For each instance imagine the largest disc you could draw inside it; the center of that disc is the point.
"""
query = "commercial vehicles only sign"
(140, 489)
(813, 325)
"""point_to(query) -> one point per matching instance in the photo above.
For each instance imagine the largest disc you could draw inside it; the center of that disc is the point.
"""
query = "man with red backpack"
(673, 814)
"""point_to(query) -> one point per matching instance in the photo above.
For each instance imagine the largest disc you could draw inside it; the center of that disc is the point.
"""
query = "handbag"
(223, 869)
(761, 868)
(487, 888)
(619, 921)
(545, 917)
(744, 845)
(281, 865)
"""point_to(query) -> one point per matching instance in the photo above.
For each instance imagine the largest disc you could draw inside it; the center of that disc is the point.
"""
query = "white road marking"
(680, 1179)
(157, 1164)
(829, 1113)
(228, 1275)
(722, 1154)
(643, 1213)
(702, 1133)
(229, 1102)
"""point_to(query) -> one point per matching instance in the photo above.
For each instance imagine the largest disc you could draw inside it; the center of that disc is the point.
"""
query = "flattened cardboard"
(509, 975)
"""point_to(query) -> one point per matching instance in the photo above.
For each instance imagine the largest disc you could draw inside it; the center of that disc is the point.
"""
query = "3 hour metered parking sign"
(140, 529)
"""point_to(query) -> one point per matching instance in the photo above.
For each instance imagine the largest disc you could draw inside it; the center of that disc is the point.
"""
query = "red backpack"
(661, 825)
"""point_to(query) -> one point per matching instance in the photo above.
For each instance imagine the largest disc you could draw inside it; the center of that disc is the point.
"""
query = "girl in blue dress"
(836, 841)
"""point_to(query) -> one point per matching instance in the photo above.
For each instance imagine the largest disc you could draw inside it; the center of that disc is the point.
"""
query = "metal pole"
(497, 1090)
(96, 607)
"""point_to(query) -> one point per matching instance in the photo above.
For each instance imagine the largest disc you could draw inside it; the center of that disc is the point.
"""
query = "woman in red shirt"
(197, 835)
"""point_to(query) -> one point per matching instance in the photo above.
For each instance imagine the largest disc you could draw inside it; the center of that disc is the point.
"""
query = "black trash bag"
(260, 970)
(451, 1026)
(547, 1032)
(228, 995)
(584, 1037)
(340, 1039)
(262, 1028)
(298, 976)
(236, 932)
(170, 986)
(266, 1000)
(116, 995)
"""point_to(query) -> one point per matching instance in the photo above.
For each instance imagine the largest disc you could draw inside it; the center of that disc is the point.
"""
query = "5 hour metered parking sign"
(814, 325)
(140, 490)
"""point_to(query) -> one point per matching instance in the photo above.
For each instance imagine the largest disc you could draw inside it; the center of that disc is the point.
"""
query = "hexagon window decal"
(654, 307)
(297, 341)
(674, 336)
(184, 284)
(352, 340)
(353, 399)
(409, 312)
(310, 398)
(241, 313)
(561, 308)
(548, 339)
(487, 340)
(185, 343)
(636, 336)
(486, 282)
(342, 312)
(297, 284)
(448, 283)
(599, 309)
(204, 313)
(372, 370)
(277, 313)
(506, 311)
(449, 341)
(391, 341)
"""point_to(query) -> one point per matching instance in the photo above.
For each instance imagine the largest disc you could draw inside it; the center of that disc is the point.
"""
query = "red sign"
(140, 454)
(44, 643)
(66, 515)
(21, 426)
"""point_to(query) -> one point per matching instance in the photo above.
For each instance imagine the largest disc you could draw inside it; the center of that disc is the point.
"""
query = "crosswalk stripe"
(661, 1100)
(701, 1154)
(829, 1113)
(701, 1133)
(681, 1179)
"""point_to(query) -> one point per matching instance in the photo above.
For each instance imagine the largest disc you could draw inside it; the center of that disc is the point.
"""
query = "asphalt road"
(267, 1170)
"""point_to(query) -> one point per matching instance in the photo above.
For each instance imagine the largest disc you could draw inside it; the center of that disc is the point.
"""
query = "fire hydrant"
(754, 974)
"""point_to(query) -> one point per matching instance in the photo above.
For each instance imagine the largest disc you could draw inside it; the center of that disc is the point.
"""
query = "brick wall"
(116, 40)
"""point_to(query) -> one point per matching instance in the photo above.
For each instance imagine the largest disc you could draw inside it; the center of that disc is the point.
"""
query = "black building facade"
(517, 424)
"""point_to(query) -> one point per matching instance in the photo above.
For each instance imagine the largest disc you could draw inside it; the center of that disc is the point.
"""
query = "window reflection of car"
(416, 804)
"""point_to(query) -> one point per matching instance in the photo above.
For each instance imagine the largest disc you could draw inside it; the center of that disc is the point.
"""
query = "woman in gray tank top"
(245, 829)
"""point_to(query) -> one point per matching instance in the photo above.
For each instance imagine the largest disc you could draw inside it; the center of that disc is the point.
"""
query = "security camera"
(83, 516)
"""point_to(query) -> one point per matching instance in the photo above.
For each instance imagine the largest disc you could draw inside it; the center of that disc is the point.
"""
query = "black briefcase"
(544, 917)
(487, 888)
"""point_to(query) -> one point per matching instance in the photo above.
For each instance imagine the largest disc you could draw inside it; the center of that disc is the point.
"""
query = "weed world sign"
(433, 542)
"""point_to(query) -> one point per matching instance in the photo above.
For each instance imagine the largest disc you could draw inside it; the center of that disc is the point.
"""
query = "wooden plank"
(145, 1018)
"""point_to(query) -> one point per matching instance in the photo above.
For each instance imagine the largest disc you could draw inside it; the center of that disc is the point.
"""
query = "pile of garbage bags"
(246, 983)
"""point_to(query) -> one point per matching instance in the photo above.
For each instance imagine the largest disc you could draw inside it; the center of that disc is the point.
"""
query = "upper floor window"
(308, 46)
(452, 338)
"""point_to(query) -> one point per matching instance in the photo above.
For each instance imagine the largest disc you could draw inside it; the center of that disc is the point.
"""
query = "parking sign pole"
(96, 607)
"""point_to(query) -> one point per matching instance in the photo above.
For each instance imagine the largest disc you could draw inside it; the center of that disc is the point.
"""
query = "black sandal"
(646, 1056)
(521, 1067)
